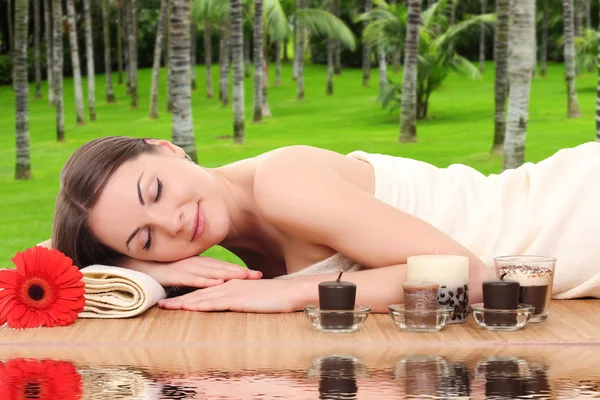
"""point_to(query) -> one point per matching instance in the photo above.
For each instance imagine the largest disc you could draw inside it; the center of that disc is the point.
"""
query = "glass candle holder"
(535, 275)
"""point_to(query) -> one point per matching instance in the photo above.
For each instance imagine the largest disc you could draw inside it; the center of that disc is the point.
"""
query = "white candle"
(447, 270)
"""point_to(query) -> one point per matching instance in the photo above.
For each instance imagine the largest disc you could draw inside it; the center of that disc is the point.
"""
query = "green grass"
(459, 130)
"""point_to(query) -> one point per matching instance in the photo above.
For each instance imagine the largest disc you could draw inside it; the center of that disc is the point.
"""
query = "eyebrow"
(141, 199)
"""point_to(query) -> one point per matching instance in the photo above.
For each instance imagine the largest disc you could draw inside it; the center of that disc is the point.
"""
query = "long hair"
(82, 180)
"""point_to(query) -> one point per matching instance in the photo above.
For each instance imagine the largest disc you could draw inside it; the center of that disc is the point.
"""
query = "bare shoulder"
(294, 185)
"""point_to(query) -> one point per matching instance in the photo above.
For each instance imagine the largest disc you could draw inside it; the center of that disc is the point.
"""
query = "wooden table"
(570, 322)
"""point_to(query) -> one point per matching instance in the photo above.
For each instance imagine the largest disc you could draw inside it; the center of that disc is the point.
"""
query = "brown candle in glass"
(337, 296)
(420, 296)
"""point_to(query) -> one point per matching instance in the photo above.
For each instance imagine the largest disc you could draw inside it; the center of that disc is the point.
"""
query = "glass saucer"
(337, 321)
(421, 320)
(502, 320)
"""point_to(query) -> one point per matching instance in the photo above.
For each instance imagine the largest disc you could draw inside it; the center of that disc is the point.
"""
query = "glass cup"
(535, 274)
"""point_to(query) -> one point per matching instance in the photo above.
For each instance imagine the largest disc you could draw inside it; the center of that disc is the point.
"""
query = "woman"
(302, 213)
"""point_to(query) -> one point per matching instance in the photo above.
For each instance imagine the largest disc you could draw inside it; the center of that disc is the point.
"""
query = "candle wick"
(340, 275)
(503, 275)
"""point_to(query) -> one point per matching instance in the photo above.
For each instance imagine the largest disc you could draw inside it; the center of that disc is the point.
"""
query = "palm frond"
(465, 31)
(320, 22)
(215, 11)
(464, 67)
(276, 23)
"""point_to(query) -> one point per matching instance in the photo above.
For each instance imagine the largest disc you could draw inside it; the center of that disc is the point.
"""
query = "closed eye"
(149, 241)
(159, 190)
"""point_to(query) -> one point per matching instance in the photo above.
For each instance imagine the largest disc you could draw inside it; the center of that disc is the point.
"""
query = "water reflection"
(262, 373)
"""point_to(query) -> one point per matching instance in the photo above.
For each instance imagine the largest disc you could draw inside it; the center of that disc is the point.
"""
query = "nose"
(172, 222)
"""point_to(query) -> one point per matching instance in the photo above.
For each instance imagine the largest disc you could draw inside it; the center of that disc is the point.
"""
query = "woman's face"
(160, 207)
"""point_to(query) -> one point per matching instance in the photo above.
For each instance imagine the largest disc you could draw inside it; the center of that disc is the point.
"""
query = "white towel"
(548, 208)
(115, 292)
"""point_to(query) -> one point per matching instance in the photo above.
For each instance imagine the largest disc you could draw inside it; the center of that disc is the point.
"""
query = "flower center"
(36, 292)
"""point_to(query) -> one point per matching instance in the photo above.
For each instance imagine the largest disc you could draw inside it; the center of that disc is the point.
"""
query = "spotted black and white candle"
(452, 273)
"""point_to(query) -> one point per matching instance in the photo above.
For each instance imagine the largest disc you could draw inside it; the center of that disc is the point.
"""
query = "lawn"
(459, 130)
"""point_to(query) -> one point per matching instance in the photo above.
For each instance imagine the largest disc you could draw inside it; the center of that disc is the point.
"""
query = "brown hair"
(82, 180)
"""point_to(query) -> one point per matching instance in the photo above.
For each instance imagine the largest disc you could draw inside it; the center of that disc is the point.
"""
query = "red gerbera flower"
(46, 289)
(39, 379)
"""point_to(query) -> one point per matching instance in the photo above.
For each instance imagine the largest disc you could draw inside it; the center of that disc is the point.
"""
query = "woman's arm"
(311, 201)
(195, 272)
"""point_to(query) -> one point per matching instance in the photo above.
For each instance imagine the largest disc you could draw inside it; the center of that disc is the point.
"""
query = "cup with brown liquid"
(535, 275)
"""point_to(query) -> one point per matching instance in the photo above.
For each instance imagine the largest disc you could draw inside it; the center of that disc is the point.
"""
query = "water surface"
(304, 372)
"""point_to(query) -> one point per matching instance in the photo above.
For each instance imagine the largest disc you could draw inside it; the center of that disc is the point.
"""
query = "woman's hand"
(260, 296)
(195, 271)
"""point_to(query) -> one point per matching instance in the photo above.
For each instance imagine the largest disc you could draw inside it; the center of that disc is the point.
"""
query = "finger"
(252, 274)
(226, 274)
(222, 265)
(220, 304)
(188, 279)
(198, 295)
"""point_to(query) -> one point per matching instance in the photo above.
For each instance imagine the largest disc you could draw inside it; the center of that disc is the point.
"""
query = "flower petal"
(5, 311)
(67, 276)
(8, 278)
(71, 293)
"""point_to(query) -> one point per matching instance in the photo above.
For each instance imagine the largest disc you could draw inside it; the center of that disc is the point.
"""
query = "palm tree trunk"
(110, 95)
(295, 33)
(125, 16)
(500, 77)
(167, 59)
(266, 111)
(578, 10)
(398, 52)
(258, 61)
(300, 57)
(366, 60)
(569, 52)
(522, 40)
(132, 46)
(247, 58)
(382, 68)
(91, 74)
(237, 53)
(588, 14)
(337, 52)
(158, 45)
(544, 49)
(11, 40)
(208, 61)
(179, 63)
(482, 39)
(57, 64)
(408, 115)
(224, 56)
(23, 163)
(49, 59)
(119, 44)
(588, 23)
(75, 63)
(36, 45)
(330, 69)
(193, 49)
(277, 63)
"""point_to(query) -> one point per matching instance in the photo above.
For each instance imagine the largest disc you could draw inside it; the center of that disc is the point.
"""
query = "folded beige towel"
(115, 292)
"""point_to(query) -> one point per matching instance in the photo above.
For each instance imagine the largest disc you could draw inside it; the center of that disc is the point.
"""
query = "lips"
(199, 223)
